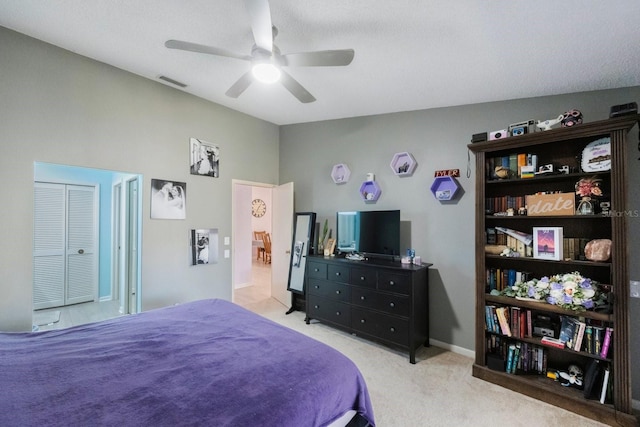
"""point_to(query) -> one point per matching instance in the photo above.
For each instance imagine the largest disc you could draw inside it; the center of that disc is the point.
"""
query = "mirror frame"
(300, 248)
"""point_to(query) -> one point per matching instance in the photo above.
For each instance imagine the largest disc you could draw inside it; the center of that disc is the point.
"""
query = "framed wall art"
(168, 199)
(205, 158)
(547, 243)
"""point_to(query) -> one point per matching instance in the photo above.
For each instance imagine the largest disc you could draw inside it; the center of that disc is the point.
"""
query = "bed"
(208, 362)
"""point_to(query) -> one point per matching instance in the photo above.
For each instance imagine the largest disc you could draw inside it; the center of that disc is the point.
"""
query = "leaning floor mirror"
(304, 225)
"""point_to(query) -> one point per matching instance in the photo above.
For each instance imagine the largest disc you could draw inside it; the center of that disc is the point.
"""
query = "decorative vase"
(320, 250)
(585, 207)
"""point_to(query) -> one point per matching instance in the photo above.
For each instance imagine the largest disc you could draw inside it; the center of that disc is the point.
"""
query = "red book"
(553, 342)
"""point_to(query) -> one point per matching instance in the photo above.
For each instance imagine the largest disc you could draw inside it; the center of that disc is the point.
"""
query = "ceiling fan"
(266, 60)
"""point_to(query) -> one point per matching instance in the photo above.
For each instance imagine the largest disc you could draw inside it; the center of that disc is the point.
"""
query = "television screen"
(369, 232)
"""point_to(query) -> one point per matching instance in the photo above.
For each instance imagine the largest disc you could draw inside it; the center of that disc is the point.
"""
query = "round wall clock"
(258, 208)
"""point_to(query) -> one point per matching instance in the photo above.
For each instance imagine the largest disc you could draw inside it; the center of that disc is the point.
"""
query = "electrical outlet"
(635, 288)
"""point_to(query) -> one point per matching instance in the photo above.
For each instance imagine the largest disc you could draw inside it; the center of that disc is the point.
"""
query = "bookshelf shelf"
(560, 147)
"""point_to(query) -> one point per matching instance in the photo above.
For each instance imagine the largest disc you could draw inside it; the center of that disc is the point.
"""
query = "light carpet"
(437, 391)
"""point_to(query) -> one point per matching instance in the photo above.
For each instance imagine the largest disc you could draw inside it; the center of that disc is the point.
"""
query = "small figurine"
(547, 124)
(571, 118)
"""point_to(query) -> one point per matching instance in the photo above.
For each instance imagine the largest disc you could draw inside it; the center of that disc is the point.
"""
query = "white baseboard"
(242, 285)
(105, 298)
(453, 348)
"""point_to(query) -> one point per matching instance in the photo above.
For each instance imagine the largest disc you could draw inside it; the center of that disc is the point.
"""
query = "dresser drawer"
(399, 283)
(363, 277)
(364, 321)
(338, 273)
(316, 270)
(331, 290)
(329, 310)
(393, 304)
(394, 329)
(364, 297)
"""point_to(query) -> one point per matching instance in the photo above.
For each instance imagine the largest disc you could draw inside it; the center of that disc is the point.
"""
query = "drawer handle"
(391, 283)
(362, 298)
(361, 277)
(338, 292)
(337, 313)
(362, 321)
(316, 269)
(337, 273)
(392, 329)
(316, 286)
(391, 304)
(316, 306)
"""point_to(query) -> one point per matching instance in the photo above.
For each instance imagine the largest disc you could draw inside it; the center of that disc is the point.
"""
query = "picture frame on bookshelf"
(547, 243)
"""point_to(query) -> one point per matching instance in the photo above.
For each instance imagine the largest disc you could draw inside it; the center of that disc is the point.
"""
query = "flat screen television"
(375, 233)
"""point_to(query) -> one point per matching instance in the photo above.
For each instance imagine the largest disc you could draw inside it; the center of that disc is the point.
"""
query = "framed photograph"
(547, 243)
(168, 199)
(205, 158)
(204, 246)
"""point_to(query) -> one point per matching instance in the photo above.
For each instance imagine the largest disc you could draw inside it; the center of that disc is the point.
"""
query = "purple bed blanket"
(205, 363)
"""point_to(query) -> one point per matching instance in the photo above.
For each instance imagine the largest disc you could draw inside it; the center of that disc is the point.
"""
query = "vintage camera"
(498, 134)
(543, 326)
(517, 129)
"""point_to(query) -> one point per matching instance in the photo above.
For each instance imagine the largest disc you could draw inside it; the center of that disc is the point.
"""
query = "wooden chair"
(257, 235)
(266, 238)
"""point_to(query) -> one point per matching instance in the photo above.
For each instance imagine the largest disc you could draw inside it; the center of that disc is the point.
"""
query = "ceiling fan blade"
(240, 86)
(296, 88)
(322, 58)
(260, 15)
(199, 48)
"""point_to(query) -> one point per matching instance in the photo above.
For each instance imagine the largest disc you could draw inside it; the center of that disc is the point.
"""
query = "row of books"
(580, 336)
(500, 278)
(513, 162)
(502, 203)
(509, 321)
(520, 357)
(574, 334)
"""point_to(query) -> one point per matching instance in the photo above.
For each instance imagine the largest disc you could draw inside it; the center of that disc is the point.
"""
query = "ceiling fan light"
(266, 72)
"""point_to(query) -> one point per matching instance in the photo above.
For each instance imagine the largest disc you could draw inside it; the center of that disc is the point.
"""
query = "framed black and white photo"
(204, 246)
(168, 199)
(205, 158)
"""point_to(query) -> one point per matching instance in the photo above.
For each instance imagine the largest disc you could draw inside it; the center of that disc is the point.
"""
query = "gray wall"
(442, 233)
(58, 107)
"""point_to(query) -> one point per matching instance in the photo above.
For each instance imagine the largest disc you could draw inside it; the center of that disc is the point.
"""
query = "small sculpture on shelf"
(572, 377)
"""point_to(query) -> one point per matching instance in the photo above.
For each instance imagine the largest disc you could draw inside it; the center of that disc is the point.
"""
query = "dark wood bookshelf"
(561, 146)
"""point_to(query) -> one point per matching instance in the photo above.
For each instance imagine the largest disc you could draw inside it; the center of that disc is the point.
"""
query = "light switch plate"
(226, 253)
(226, 240)
(635, 288)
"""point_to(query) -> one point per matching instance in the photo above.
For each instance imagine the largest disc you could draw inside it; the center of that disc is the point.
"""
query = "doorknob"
(80, 251)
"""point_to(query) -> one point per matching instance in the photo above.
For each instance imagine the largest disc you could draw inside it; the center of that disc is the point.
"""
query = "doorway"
(255, 280)
(118, 242)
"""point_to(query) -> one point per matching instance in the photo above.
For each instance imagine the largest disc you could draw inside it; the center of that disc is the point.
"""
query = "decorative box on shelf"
(370, 191)
(340, 173)
(444, 188)
(403, 164)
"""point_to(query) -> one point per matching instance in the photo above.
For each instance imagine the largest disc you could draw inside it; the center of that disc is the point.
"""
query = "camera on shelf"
(517, 129)
(498, 134)
(544, 326)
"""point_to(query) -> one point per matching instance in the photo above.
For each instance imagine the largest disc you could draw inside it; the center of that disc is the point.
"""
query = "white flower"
(588, 293)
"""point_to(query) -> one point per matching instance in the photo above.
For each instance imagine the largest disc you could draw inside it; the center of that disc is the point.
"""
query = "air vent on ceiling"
(173, 82)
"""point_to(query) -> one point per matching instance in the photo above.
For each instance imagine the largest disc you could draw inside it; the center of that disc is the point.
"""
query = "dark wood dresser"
(381, 300)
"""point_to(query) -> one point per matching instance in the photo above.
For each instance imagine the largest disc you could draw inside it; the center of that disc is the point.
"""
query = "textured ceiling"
(409, 54)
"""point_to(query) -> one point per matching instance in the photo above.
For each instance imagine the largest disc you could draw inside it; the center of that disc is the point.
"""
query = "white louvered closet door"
(65, 242)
